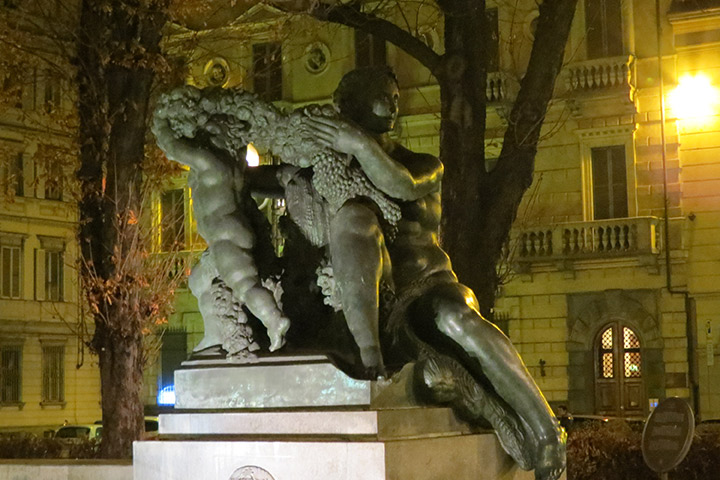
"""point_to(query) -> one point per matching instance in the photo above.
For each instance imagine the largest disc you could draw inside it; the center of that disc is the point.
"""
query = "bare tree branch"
(352, 17)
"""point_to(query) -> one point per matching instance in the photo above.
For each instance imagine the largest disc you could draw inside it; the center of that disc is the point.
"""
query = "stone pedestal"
(288, 435)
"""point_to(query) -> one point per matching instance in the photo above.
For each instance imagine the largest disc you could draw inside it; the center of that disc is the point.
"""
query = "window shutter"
(40, 274)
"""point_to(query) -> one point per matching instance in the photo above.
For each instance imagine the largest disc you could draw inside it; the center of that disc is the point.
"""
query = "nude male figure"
(440, 311)
(368, 103)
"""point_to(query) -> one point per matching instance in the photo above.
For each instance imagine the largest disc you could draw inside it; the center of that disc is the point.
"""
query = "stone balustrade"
(638, 236)
(181, 263)
(600, 73)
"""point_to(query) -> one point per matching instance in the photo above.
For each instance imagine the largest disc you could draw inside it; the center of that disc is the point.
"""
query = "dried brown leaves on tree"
(77, 78)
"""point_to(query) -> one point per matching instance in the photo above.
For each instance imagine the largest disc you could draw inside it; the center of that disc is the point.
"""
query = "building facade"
(610, 281)
(47, 375)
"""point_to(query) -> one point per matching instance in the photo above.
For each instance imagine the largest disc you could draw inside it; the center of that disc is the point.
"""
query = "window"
(619, 353)
(267, 71)
(13, 178)
(369, 50)
(10, 358)
(609, 182)
(492, 41)
(10, 267)
(603, 22)
(172, 220)
(54, 275)
(50, 269)
(12, 87)
(54, 180)
(51, 102)
(53, 373)
(619, 386)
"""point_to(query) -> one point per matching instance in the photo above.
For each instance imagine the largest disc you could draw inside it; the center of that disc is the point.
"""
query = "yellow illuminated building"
(585, 292)
(625, 202)
(47, 375)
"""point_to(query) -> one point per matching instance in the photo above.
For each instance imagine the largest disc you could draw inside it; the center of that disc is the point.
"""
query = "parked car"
(76, 433)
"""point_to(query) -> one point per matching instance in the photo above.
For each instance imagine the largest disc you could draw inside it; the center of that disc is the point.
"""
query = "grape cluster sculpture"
(234, 118)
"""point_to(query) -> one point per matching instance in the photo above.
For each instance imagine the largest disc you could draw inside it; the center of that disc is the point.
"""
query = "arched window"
(618, 384)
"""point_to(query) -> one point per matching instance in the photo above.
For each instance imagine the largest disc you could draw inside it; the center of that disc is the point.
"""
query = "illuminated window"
(10, 360)
(619, 344)
(609, 182)
(53, 373)
(607, 355)
(267, 71)
(603, 24)
(631, 356)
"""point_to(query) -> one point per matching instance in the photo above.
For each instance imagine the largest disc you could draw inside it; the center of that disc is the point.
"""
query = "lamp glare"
(694, 97)
(252, 157)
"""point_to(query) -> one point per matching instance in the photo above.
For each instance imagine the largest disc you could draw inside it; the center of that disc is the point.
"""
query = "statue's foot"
(376, 373)
(277, 333)
(551, 459)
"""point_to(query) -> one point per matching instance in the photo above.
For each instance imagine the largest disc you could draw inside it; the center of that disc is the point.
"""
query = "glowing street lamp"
(694, 97)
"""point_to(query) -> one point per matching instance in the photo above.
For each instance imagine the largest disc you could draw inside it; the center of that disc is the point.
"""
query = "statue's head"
(369, 96)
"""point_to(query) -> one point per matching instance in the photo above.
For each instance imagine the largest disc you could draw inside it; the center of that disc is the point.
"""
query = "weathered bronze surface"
(362, 277)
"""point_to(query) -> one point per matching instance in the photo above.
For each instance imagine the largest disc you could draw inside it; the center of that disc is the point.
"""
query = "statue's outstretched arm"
(417, 175)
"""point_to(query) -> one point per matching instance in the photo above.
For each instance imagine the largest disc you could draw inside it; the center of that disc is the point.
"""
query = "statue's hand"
(337, 134)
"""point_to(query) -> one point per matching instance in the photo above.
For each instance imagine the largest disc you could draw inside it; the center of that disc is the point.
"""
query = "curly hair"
(357, 80)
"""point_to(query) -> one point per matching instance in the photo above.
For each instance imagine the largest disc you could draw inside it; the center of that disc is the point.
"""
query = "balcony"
(176, 265)
(565, 243)
(600, 74)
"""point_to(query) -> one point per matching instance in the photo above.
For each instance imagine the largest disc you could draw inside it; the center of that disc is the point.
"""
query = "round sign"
(251, 472)
(668, 434)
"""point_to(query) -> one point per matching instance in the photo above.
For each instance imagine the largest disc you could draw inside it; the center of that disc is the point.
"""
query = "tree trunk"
(462, 142)
(121, 370)
(117, 48)
(479, 207)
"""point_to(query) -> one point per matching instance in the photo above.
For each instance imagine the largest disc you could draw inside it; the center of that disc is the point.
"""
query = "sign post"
(668, 435)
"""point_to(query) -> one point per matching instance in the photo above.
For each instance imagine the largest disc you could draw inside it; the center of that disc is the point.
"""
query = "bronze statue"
(400, 298)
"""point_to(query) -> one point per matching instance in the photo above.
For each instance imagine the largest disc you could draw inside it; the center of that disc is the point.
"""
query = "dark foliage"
(32, 446)
(612, 451)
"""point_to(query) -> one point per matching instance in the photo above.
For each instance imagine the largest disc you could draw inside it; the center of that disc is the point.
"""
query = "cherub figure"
(461, 358)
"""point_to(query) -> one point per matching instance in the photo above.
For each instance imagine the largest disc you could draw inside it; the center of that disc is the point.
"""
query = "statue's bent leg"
(237, 268)
(452, 324)
(356, 252)
(201, 283)
(445, 380)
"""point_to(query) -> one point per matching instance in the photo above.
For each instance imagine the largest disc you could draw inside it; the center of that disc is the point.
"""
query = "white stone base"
(302, 419)
(461, 457)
